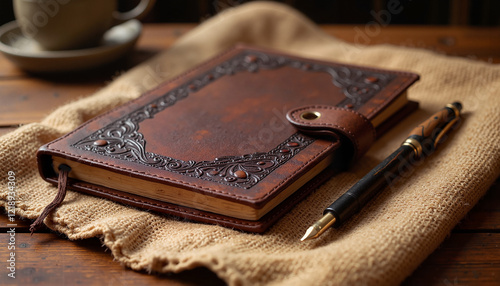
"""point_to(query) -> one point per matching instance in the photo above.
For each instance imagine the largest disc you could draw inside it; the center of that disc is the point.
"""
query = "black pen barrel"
(381, 176)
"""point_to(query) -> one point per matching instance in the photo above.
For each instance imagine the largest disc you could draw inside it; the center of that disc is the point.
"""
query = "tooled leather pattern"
(125, 142)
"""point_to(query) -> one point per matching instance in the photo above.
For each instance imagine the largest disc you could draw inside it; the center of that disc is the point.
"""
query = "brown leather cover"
(221, 130)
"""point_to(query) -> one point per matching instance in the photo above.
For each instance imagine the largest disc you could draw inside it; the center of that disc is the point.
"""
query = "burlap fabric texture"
(380, 246)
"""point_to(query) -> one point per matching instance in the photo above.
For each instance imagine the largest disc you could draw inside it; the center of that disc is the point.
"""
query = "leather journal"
(237, 141)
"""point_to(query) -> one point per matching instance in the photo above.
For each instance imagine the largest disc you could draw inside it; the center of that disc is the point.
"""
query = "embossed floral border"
(122, 140)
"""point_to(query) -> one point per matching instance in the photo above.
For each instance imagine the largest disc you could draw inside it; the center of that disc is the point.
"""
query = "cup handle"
(139, 11)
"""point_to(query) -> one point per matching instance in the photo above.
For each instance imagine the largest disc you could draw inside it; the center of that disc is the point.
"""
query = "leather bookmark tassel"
(61, 193)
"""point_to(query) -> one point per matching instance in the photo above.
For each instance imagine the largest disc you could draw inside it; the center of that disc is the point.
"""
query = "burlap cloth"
(382, 245)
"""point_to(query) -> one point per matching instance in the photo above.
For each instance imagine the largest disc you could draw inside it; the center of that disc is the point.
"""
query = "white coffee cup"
(71, 24)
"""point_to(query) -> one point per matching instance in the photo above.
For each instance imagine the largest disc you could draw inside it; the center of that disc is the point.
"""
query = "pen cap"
(429, 133)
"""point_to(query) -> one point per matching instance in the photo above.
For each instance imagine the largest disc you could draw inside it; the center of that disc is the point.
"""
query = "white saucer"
(26, 53)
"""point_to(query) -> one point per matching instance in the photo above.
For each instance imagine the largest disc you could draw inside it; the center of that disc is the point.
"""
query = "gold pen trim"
(413, 143)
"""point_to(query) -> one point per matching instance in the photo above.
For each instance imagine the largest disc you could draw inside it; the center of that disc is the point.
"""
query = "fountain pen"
(421, 142)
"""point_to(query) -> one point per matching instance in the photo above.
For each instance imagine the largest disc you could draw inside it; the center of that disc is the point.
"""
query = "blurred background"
(415, 12)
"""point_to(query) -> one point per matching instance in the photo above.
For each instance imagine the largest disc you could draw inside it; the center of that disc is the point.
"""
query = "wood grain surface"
(469, 256)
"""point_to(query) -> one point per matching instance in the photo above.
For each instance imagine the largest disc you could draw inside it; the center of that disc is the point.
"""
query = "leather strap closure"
(321, 119)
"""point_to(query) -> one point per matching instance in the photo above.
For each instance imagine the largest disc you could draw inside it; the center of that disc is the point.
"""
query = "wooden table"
(471, 254)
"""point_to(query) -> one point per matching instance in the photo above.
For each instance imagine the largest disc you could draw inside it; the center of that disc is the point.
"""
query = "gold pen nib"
(310, 233)
(319, 227)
